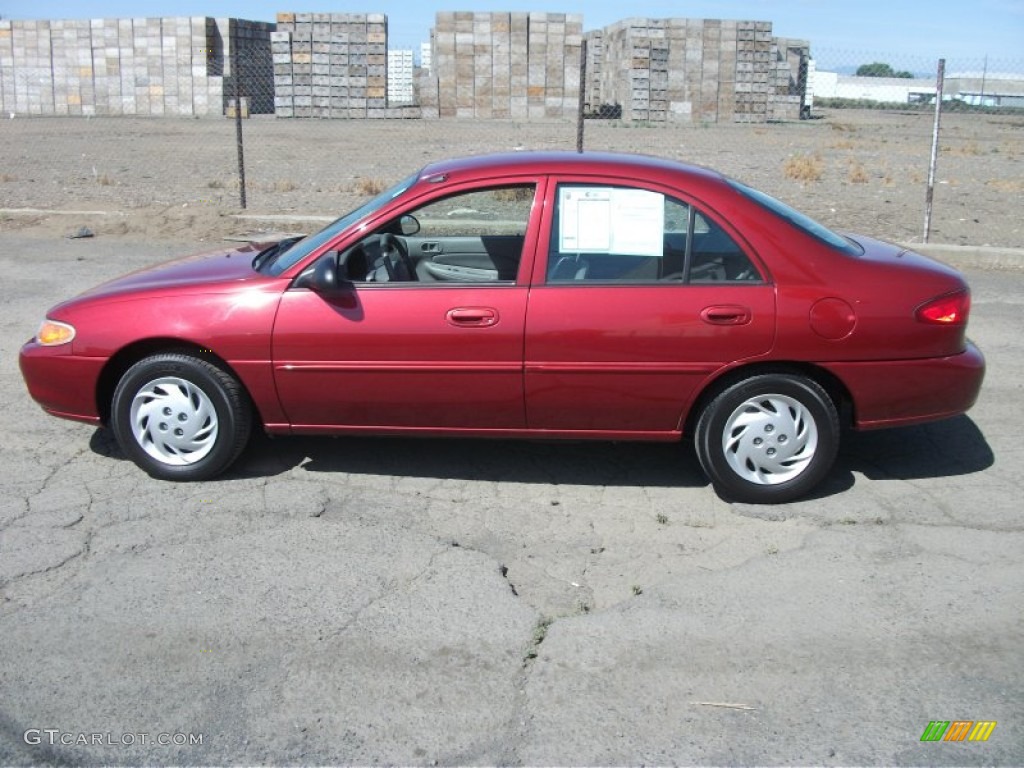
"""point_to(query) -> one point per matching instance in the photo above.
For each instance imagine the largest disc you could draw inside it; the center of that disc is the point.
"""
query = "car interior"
(478, 237)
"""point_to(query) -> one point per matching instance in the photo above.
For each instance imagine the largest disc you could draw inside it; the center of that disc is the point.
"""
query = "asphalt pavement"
(430, 602)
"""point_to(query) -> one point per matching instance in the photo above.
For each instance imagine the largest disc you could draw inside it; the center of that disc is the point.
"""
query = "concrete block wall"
(503, 66)
(695, 70)
(145, 66)
(788, 80)
(332, 65)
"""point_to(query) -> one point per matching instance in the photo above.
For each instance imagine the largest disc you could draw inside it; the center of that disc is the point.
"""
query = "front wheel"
(768, 439)
(180, 417)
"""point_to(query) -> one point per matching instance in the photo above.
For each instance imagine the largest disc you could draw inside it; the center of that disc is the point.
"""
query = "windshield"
(297, 251)
(799, 220)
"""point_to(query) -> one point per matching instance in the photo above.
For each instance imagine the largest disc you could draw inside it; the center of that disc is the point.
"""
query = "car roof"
(549, 161)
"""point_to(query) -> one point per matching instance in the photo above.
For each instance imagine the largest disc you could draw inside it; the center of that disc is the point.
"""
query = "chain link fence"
(855, 154)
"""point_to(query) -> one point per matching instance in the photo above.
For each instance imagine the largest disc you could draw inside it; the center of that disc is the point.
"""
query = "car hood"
(211, 268)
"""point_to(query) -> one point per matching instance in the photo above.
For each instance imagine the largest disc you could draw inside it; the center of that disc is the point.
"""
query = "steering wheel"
(391, 246)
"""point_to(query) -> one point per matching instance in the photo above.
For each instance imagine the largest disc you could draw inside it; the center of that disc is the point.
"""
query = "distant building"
(974, 88)
(895, 90)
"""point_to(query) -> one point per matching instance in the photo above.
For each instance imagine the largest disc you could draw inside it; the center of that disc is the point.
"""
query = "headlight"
(53, 334)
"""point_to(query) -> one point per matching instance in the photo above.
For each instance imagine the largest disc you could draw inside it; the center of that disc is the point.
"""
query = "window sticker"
(626, 222)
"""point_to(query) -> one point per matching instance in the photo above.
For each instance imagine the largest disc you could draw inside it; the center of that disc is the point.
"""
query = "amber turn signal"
(52, 334)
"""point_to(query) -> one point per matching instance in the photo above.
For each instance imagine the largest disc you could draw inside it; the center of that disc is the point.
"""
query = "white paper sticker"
(626, 222)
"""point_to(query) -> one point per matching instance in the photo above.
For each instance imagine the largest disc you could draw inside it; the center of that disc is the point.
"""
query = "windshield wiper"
(263, 257)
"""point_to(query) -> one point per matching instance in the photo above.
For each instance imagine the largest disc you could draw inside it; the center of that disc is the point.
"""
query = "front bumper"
(63, 384)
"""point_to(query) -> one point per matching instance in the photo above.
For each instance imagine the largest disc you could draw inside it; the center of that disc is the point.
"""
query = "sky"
(842, 33)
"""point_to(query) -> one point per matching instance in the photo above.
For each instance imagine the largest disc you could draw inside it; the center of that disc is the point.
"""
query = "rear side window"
(623, 235)
(799, 220)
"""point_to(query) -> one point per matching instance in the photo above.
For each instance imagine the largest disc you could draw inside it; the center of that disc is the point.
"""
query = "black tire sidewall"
(215, 384)
(708, 438)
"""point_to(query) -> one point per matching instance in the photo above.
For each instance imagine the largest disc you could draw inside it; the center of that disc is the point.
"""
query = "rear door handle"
(726, 314)
(473, 317)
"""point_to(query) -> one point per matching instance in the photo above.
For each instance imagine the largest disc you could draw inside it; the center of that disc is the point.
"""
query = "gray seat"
(569, 268)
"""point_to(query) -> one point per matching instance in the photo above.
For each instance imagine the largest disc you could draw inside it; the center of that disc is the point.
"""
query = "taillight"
(951, 309)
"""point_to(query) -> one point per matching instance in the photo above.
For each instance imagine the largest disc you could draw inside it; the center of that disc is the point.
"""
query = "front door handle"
(473, 317)
(726, 314)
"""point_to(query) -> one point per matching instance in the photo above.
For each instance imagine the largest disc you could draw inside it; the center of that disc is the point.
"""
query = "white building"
(896, 90)
(975, 88)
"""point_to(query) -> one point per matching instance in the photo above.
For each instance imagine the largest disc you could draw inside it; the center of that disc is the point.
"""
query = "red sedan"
(532, 295)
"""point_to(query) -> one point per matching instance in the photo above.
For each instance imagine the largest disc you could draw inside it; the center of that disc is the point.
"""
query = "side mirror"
(324, 276)
(409, 225)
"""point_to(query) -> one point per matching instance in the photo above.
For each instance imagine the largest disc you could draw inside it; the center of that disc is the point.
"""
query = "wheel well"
(833, 387)
(125, 358)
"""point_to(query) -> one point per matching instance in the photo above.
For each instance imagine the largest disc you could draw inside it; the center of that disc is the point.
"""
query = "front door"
(428, 332)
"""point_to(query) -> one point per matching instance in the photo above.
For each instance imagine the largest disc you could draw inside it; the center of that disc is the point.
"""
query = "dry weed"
(5, 177)
(514, 194)
(843, 127)
(804, 168)
(284, 185)
(365, 186)
(105, 181)
(857, 174)
(844, 144)
(970, 149)
(1011, 186)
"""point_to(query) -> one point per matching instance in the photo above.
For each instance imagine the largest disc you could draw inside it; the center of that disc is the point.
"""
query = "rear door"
(639, 296)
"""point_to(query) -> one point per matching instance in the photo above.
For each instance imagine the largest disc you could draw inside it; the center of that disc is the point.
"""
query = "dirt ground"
(161, 179)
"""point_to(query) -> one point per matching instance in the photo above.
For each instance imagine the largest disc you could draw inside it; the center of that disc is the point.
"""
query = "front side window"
(468, 237)
(624, 235)
(294, 250)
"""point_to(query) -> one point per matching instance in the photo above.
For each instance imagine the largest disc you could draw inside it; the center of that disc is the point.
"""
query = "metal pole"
(236, 66)
(984, 73)
(583, 97)
(929, 195)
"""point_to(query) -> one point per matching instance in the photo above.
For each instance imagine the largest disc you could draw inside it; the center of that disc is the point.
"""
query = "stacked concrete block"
(594, 65)
(245, 46)
(7, 80)
(32, 69)
(753, 68)
(787, 86)
(693, 70)
(507, 65)
(333, 65)
(143, 66)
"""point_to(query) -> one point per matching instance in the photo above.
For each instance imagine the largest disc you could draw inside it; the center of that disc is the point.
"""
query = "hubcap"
(769, 439)
(174, 421)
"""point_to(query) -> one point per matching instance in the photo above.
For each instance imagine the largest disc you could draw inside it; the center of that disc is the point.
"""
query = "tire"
(768, 439)
(180, 418)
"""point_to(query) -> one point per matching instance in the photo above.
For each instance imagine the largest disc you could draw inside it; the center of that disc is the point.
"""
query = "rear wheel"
(768, 439)
(180, 417)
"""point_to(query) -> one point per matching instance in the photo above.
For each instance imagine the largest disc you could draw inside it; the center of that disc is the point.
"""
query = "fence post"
(580, 117)
(929, 195)
(236, 66)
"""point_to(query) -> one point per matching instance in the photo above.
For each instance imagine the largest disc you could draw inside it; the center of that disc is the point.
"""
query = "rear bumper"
(895, 393)
(63, 384)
